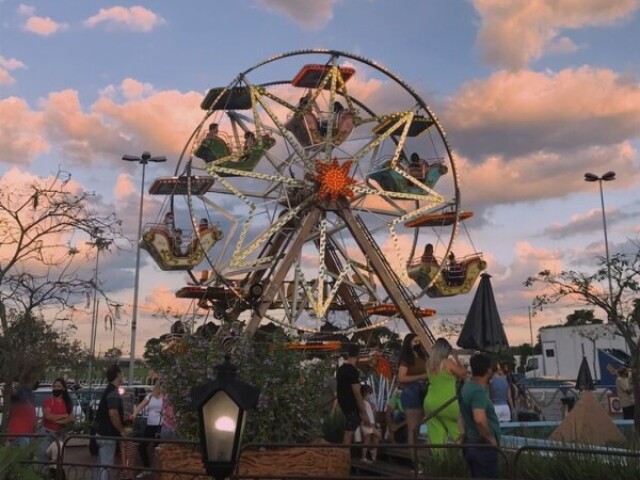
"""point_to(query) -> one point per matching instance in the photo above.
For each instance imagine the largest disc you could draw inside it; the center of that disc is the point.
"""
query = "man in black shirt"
(109, 419)
(349, 396)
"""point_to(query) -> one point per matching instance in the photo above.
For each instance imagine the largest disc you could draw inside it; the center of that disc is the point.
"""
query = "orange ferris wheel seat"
(437, 219)
(312, 75)
(391, 309)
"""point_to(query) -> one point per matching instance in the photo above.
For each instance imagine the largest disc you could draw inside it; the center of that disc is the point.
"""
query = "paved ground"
(79, 463)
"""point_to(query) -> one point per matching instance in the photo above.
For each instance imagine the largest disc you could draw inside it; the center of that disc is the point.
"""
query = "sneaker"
(143, 474)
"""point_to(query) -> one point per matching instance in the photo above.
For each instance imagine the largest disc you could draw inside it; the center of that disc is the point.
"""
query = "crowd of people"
(458, 404)
(456, 408)
(111, 425)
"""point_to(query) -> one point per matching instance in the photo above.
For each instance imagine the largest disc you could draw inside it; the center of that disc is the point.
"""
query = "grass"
(576, 466)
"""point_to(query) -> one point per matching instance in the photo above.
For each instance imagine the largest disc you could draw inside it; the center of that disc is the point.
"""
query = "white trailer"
(564, 347)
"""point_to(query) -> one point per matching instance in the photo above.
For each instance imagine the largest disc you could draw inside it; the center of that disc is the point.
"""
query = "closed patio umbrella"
(584, 380)
(483, 330)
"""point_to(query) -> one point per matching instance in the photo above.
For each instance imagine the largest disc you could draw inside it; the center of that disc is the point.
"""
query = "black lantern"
(222, 404)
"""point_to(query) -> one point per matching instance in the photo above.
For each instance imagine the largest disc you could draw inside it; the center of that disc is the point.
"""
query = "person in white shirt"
(625, 393)
(153, 403)
(371, 434)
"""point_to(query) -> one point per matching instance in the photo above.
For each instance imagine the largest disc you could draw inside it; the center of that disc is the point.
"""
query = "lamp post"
(100, 244)
(607, 177)
(221, 405)
(142, 160)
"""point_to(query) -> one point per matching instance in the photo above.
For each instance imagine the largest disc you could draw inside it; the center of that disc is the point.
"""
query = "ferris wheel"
(329, 195)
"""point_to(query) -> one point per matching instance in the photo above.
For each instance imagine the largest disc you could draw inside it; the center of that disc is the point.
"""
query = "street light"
(142, 160)
(100, 244)
(221, 405)
(607, 177)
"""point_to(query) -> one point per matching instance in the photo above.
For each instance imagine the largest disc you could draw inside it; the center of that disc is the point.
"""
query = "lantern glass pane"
(220, 421)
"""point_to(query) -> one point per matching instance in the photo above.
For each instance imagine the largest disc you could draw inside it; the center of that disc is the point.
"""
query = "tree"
(113, 355)
(39, 272)
(152, 349)
(622, 307)
(582, 317)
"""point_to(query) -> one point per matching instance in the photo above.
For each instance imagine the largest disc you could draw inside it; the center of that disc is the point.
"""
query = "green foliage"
(582, 317)
(294, 391)
(571, 466)
(28, 342)
(333, 427)
(152, 350)
(11, 466)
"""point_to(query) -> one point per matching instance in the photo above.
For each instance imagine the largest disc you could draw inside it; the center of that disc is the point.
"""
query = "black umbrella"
(584, 380)
(482, 330)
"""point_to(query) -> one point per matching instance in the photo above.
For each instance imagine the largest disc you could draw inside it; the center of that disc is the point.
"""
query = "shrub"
(294, 391)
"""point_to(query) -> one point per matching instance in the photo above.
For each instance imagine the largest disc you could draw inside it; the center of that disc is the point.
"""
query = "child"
(371, 435)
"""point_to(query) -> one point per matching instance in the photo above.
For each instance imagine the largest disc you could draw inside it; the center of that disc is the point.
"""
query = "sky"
(532, 94)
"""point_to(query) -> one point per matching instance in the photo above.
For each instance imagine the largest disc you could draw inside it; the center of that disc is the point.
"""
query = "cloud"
(526, 111)
(26, 10)
(310, 15)
(136, 18)
(21, 139)
(44, 26)
(123, 187)
(81, 137)
(164, 119)
(6, 65)
(19, 182)
(587, 223)
(500, 179)
(514, 33)
(125, 118)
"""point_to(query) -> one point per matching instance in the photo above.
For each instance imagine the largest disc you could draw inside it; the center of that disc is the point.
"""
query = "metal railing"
(402, 461)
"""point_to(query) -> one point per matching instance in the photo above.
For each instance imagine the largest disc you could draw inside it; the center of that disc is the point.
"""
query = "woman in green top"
(443, 373)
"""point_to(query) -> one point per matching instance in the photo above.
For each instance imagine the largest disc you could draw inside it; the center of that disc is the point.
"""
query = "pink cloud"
(135, 18)
(123, 187)
(541, 175)
(21, 139)
(81, 136)
(44, 26)
(126, 117)
(310, 15)
(165, 119)
(6, 65)
(589, 222)
(132, 89)
(514, 33)
(526, 111)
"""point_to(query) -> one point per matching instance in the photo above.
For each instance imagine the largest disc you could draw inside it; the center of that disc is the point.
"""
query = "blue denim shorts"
(411, 397)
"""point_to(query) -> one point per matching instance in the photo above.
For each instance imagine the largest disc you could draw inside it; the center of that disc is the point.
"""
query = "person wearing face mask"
(57, 411)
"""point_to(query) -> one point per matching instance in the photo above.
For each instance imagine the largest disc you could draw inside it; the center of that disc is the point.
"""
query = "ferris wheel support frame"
(390, 284)
(280, 274)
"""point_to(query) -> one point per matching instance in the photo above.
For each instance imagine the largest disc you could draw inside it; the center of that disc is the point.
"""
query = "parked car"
(90, 399)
